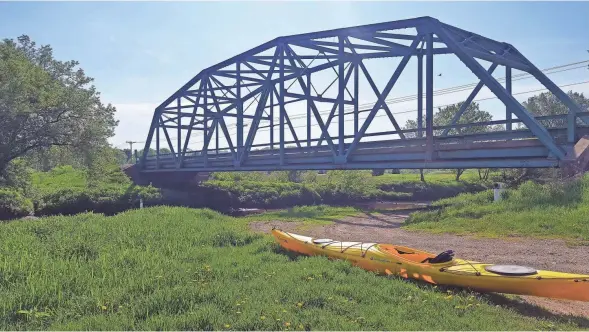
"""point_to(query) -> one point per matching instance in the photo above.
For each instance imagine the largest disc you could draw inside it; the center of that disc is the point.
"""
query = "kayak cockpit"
(417, 256)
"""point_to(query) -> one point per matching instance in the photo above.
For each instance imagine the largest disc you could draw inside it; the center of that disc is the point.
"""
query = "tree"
(444, 116)
(546, 104)
(46, 103)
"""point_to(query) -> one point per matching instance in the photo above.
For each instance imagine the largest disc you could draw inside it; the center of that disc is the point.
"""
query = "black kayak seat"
(442, 257)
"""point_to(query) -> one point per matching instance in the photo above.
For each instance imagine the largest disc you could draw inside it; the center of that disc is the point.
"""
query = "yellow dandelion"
(227, 326)
(287, 324)
(283, 310)
(301, 326)
(448, 297)
(299, 304)
(262, 317)
(103, 307)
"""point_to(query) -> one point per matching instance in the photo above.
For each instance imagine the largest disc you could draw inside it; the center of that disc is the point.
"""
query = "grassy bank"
(177, 268)
(66, 190)
(551, 210)
(278, 189)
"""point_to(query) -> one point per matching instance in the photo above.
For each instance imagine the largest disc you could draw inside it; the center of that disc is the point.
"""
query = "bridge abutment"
(577, 161)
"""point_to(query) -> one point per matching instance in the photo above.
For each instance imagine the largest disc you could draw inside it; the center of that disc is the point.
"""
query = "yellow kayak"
(442, 269)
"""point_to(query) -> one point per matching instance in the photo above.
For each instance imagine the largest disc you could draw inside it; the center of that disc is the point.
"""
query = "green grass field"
(58, 179)
(551, 210)
(176, 268)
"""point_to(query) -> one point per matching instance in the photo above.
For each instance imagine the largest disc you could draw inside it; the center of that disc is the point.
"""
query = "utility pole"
(131, 149)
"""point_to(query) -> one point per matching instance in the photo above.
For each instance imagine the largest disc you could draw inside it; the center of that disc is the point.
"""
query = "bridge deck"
(487, 150)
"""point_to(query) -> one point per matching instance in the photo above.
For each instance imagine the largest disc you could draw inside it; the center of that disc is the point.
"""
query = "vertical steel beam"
(157, 146)
(356, 87)
(308, 95)
(340, 97)
(508, 118)
(179, 133)
(271, 117)
(429, 96)
(217, 137)
(335, 107)
(571, 126)
(239, 113)
(381, 98)
(420, 95)
(282, 109)
(205, 145)
(324, 131)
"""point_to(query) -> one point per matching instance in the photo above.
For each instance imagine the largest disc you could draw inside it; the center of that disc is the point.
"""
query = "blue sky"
(140, 53)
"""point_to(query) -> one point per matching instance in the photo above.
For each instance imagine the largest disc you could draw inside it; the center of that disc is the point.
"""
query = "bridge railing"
(516, 133)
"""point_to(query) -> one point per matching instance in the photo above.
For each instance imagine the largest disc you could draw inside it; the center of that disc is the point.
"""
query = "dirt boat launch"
(442, 269)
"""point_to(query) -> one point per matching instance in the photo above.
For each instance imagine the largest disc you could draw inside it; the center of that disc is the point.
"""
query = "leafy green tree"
(444, 116)
(546, 104)
(45, 103)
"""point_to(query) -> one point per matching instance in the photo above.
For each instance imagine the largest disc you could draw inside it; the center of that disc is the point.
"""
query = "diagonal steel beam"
(382, 97)
(169, 142)
(221, 121)
(377, 93)
(316, 113)
(499, 91)
(555, 89)
(468, 101)
(192, 122)
(291, 54)
(219, 84)
(335, 105)
(259, 109)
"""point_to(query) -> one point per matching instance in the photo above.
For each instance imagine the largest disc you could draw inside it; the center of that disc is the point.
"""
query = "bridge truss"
(257, 92)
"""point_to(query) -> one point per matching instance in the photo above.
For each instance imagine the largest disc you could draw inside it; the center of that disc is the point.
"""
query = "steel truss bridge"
(256, 91)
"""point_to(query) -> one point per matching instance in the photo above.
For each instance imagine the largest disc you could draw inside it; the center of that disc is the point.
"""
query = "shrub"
(13, 204)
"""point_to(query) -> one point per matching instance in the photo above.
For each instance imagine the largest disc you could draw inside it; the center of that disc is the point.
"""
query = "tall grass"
(556, 209)
(180, 269)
